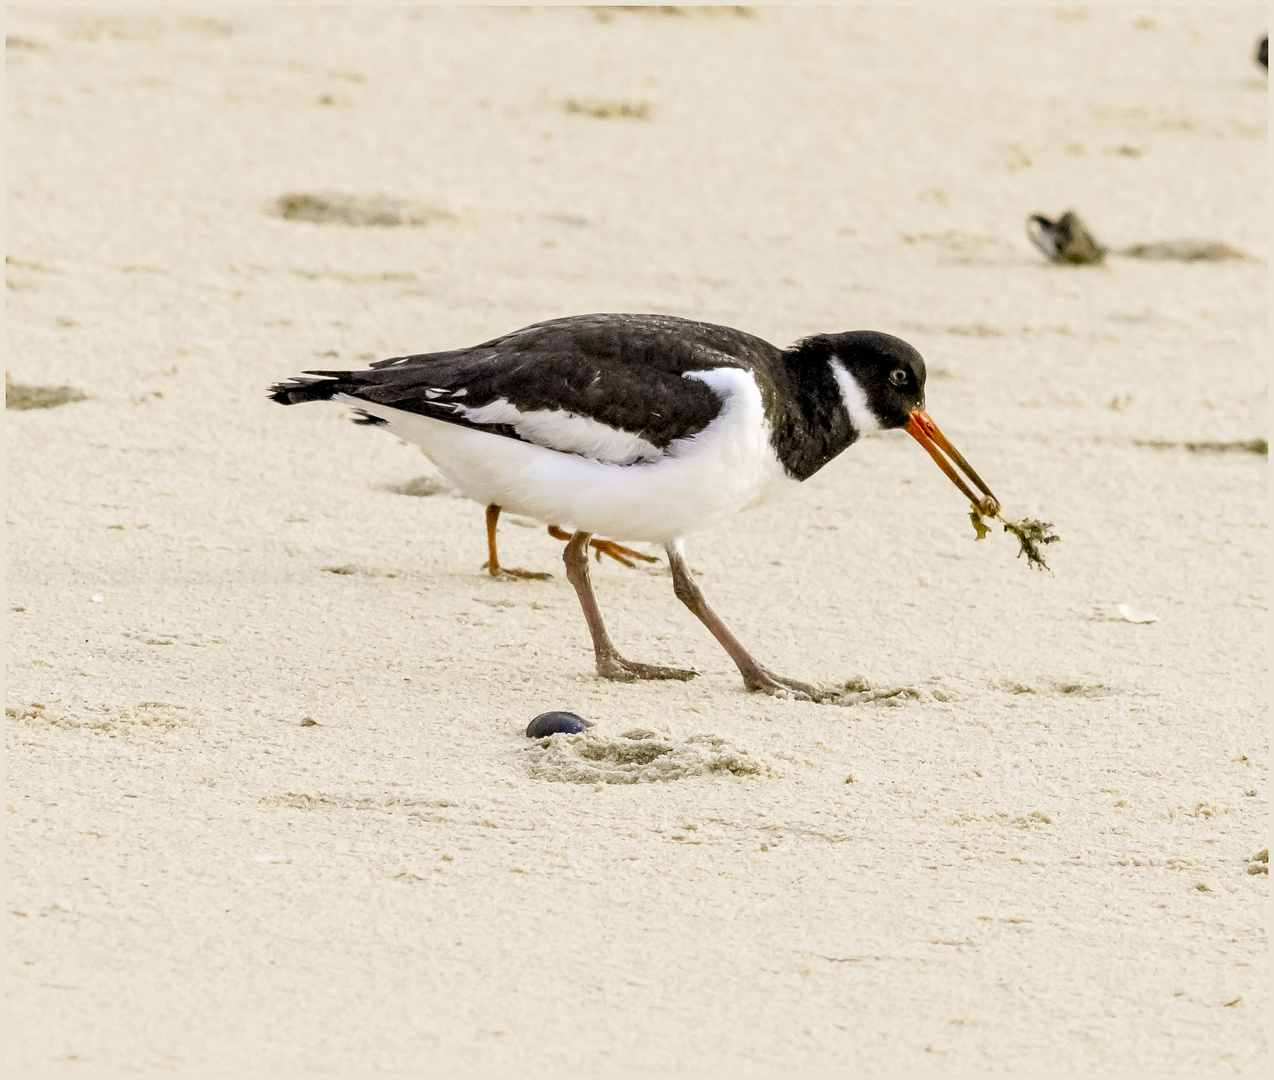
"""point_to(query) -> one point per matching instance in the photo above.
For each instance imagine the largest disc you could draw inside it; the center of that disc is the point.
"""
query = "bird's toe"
(619, 552)
(857, 691)
(505, 573)
(766, 682)
(621, 670)
(615, 670)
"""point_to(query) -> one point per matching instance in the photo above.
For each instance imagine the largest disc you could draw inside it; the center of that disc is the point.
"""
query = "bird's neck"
(809, 424)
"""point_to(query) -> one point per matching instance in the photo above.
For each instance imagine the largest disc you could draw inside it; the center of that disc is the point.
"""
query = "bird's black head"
(886, 378)
(882, 385)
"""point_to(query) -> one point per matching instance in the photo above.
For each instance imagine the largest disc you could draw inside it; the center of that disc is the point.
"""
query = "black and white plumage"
(641, 427)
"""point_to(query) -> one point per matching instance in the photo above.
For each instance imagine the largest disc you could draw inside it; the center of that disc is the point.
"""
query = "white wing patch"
(567, 432)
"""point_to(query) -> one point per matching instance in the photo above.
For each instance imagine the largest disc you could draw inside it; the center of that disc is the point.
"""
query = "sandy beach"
(270, 804)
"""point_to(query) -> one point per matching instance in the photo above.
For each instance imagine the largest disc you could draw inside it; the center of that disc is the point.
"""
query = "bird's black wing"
(624, 371)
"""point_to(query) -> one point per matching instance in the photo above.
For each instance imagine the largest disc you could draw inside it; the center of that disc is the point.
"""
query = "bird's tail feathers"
(300, 388)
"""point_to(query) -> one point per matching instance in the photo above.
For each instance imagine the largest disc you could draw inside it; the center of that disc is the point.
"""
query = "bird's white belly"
(727, 467)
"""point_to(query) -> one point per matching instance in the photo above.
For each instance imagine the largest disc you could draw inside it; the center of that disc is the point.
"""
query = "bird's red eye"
(898, 377)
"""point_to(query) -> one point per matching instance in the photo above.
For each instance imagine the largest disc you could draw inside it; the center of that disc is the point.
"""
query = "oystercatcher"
(646, 428)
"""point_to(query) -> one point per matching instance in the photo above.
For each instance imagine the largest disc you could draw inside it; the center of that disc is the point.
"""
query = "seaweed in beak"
(1031, 534)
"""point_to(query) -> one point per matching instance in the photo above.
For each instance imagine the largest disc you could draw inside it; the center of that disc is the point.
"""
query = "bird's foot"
(618, 552)
(620, 670)
(853, 692)
(505, 573)
(766, 682)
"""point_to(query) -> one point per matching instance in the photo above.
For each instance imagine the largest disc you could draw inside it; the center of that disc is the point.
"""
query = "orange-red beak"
(926, 433)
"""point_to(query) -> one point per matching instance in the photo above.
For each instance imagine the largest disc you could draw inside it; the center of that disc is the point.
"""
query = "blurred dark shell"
(1066, 240)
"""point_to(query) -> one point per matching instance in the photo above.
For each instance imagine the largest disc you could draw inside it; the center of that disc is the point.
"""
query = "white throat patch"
(855, 399)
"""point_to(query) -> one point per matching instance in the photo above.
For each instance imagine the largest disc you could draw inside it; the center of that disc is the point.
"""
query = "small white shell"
(1129, 615)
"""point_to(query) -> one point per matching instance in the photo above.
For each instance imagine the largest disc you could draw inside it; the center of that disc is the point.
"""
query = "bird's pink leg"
(755, 675)
(610, 665)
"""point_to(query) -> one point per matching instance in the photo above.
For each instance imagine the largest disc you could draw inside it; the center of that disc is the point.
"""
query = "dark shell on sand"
(553, 723)
(1066, 240)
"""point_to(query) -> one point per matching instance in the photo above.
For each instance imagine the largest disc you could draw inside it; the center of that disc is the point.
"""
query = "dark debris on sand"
(330, 208)
(1239, 446)
(1184, 251)
(1067, 240)
(21, 396)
